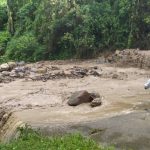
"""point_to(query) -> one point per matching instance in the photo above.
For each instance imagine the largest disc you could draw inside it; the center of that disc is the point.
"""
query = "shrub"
(3, 15)
(24, 48)
(4, 38)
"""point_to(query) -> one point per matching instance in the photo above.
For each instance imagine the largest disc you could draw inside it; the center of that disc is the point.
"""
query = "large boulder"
(79, 97)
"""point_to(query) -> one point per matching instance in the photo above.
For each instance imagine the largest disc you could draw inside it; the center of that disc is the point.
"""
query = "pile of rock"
(10, 71)
(80, 97)
(132, 57)
(41, 72)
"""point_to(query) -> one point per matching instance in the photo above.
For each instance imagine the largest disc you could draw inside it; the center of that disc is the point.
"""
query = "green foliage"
(3, 15)
(4, 38)
(80, 29)
(24, 48)
(31, 140)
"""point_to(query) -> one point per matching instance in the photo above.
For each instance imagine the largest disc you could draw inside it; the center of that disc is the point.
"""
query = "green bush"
(33, 141)
(80, 29)
(25, 48)
(4, 38)
(3, 15)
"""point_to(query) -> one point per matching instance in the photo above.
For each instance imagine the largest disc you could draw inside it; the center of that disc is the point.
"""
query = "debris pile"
(41, 72)
(12, 70)
(132, 57)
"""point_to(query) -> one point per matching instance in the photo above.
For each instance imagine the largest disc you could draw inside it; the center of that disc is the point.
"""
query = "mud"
(44, 104)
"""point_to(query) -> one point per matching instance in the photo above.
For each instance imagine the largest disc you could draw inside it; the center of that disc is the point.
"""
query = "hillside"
(46, 29)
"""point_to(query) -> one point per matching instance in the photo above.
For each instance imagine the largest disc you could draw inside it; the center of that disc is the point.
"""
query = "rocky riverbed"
(38, 94)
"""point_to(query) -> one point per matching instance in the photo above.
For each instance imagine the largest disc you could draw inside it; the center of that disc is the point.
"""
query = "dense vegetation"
(30, 140)
(32, 30)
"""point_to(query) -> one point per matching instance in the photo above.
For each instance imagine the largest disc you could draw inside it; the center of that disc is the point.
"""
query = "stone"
(34, 70)
(78, 71)
(101, 60)
(95, 95)
(5, 73)
(21, 63)
(115, 76)
(12, 65)
(41, 70)
(54, 68)
(21, 75)
(96, 102)
(4, 67)
(117, 52)
(94, 73)
(95, 67)
(20, 69)
(79, 97)
(13, 74)
(110, 59)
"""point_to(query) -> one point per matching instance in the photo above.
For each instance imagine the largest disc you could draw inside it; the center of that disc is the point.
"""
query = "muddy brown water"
(45, 103)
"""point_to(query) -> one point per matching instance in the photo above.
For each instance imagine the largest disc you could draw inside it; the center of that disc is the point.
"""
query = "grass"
(30, 140)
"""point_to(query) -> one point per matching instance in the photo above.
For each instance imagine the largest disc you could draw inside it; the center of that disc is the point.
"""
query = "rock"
(5, 73)
(21, 75)
(34, 77)
(117, 52)
(41, 70)
(96, 102)
(1, 77)
(5, 117)
(54, 68)
(13, 74)
(12, 65)
(34, 70)
(115, 76)
(101, 60)
(95, 95)
(4, 67)
(67, 73)
(78, 71)
(95, 67)
(110, 59)
(94, 73)
(20, 69)
(79, 97)
(21, 63)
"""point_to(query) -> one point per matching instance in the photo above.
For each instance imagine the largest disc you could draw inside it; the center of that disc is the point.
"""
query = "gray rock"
(34, 70)
(21, 75)
(21, 63)
(78, 71)
(95, 95)
(96, 102)
(79, 97)
(5, 73)
(94, 73)
(20, 69)
(13, 74)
